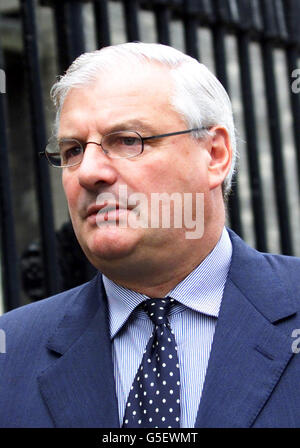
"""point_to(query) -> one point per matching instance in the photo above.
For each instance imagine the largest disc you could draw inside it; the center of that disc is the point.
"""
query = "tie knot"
(158, 309)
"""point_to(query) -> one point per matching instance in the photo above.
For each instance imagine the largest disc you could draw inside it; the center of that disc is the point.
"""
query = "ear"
(220, 156)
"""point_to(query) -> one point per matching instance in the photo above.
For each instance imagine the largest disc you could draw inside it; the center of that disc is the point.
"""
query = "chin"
(111, 243)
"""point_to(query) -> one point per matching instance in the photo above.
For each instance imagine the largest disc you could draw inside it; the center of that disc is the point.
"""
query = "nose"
(95, 168)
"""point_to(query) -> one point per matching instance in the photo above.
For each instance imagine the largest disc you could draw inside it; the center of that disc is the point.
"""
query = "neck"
(149, 277)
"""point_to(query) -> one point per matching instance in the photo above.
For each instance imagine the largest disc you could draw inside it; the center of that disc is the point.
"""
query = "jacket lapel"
(249, 353)
(78, 387)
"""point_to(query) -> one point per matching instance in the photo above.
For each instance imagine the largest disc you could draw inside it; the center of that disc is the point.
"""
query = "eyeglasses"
(69, 152)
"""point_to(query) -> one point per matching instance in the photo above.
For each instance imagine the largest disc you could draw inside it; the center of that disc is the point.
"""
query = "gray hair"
(198, 96)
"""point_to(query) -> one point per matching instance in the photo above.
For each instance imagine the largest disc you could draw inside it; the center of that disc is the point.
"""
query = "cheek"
(155, 174)
(70, 187)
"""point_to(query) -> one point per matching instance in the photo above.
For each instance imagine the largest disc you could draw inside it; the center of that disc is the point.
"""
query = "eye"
(129, 141)
(122, 144)
(70, 150)
(118, 140)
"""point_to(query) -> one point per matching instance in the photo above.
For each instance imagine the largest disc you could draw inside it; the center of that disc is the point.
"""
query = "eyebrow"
(130, 125)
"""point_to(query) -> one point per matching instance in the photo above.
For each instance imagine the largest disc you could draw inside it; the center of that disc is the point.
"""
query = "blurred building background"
(253, 48)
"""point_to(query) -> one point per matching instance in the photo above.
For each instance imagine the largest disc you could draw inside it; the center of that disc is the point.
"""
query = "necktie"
(154, 400)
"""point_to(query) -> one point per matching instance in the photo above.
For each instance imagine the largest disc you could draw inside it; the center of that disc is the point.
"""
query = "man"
(78, 359)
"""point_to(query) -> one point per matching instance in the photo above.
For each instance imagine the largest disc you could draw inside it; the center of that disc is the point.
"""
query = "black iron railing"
(270, 23)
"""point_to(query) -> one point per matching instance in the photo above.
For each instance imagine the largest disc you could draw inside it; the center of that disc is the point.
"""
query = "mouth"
(98, 213)
(96, 209)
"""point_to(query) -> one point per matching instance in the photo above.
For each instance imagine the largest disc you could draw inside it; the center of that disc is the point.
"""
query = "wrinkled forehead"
(132, 77)
(143, 76)
(129, 94)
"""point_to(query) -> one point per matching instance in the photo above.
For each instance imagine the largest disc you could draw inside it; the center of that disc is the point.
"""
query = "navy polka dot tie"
(154, 399)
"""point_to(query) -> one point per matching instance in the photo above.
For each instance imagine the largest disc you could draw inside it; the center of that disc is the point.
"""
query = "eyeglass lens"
(69, 152)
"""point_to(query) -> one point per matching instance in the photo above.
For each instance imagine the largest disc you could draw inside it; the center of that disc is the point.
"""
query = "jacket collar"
(259, 279)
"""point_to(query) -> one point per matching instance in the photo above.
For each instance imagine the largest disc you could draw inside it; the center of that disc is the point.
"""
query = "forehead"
(142, 92)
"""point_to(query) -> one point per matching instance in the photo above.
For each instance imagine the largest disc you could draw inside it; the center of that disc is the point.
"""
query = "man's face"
(131, 99)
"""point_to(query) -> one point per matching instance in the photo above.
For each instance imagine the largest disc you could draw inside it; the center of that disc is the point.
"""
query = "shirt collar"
(201, 290)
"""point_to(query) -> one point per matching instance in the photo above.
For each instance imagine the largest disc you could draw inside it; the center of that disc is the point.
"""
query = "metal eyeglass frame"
(187, 131)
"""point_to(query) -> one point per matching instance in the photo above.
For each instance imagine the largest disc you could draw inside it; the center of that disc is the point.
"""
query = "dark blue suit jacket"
(57, 370)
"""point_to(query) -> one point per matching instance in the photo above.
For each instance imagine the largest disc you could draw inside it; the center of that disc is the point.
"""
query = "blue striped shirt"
(193, 321)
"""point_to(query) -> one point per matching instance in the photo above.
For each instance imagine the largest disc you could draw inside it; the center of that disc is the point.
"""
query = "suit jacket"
(57, 370)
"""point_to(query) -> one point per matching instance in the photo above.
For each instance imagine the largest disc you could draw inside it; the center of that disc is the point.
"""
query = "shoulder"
(253, 266)
(274, 261)
(287, 270)
(40, 317)
(283, 264)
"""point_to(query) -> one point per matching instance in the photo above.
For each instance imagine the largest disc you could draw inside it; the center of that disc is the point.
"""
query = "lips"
(104, 208)
(107, 212)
